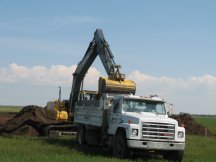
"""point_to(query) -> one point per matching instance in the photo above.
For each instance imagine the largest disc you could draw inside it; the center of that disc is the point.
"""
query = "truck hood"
(147, 117)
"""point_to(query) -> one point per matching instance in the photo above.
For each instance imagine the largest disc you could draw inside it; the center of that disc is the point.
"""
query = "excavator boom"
(115, 83)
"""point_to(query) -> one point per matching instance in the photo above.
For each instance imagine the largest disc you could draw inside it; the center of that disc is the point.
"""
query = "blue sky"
(167, 47)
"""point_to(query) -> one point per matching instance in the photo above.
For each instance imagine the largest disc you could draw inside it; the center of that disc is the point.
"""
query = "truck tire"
(178, 155)
(81, 136)
(175, 155)
(120, 149)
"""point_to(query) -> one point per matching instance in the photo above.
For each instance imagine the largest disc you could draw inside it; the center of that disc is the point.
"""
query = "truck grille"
(158, 131)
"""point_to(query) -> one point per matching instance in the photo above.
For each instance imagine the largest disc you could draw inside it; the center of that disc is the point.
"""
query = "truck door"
(114, 116)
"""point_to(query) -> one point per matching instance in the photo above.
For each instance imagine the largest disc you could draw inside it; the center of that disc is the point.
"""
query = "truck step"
(54, 133)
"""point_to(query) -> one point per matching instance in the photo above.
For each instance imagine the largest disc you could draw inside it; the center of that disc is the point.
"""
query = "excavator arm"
(106, 56)
(116, 80)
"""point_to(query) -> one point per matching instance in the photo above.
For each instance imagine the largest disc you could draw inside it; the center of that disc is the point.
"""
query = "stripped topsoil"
(30, 121)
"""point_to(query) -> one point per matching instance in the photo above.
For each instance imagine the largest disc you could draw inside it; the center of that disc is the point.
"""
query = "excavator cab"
(88, 95)
(58, 109)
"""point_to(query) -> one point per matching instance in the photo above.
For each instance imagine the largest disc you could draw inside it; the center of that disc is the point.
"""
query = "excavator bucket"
(113, 86)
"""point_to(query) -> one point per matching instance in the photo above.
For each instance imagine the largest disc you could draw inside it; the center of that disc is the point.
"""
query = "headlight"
(180, 134)
(134, 132)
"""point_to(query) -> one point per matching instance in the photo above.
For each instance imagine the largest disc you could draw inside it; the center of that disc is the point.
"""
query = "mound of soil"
(5, 117)
(29, 121)
(190, 125)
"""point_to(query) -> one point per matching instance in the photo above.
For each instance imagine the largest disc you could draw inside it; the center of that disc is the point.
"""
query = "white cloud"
(192, 94)
(168, 84)
(208, 80)
(40, 75)
(61, 74)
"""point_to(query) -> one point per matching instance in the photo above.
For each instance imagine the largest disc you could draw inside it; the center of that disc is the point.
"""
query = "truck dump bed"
(89, 112)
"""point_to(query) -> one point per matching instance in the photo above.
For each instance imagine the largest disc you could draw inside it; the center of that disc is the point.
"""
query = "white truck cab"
(128, 122)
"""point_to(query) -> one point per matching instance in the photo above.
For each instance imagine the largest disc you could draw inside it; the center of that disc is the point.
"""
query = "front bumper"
(154, 145)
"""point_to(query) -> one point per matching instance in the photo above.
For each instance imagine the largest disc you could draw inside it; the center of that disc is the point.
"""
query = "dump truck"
(127, 123)
(116, 119)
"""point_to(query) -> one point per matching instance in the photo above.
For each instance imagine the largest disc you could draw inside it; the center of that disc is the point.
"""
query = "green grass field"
(10, 108)
(15, 149)
(39, 149)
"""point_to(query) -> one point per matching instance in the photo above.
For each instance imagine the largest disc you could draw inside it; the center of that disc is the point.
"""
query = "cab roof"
(149, 98)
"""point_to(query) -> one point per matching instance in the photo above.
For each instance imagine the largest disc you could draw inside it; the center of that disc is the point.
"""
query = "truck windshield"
(143, 106)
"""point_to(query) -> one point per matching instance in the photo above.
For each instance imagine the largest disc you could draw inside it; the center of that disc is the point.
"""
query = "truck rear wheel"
(120, 149)
(81, 136)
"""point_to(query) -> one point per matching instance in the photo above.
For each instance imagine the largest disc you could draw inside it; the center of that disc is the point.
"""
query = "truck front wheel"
(175, 155)
(120, 149)
(81, 136)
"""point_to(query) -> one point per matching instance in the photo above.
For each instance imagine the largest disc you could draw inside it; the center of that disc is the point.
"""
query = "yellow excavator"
(114, 83)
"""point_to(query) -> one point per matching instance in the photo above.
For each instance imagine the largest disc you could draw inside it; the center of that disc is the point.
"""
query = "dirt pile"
(191, 126)
(5, 117)
(29, 121)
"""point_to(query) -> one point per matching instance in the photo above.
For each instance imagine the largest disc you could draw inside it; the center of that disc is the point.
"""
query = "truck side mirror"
(169, 109)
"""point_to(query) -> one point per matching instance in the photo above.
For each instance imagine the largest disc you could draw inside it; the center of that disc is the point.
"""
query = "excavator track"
(59, 129)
